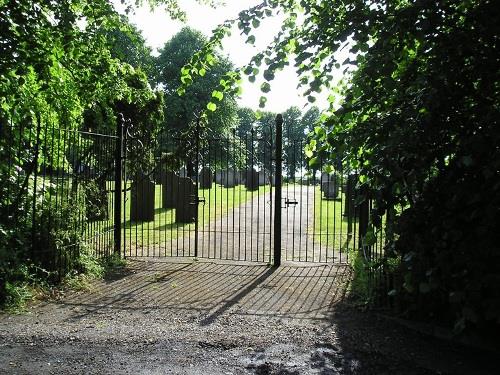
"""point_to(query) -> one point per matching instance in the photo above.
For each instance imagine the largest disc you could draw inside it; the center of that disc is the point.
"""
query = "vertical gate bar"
(227, 196)
(125, 199)
(118, 187)
(35, 178)
(277, 194)
(252, 162)
(212, 188)
(197, 178)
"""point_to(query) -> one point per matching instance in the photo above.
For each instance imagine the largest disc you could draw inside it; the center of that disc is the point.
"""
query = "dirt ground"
(195, 317)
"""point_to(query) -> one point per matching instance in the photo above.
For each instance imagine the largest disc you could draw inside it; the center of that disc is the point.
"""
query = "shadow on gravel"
(369, 342)
(238, 297)
(212, 290)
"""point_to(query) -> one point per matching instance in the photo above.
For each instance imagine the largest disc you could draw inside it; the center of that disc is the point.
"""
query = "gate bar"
(118, 185)
(277, 193)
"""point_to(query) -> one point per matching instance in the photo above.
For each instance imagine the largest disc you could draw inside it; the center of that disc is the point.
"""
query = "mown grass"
(330, 225)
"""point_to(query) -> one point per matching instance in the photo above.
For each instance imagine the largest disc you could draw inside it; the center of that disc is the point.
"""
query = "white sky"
(157, 28)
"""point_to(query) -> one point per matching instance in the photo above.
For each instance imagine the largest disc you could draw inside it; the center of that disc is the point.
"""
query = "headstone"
(272, 179)
(252, 180)
(142, 206)
(183, 172)
(186, 207)
(241, 177)
(330, 189)
(219, 177)
(205, 178)
(325, 177)
(169, 188)
(229, 178)
(262, 178)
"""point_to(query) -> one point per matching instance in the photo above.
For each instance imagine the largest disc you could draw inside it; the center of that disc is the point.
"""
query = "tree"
(246, 121)
(293, 137)
(180, 111)
(311, 119)
(128, 45)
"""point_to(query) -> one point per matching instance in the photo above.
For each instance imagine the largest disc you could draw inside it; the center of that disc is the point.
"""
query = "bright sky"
(157, 28)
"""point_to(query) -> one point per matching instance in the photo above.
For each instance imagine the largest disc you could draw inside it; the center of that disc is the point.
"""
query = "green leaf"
(202, 72)
(218, 95)
(314, 162)
(265, 87)
(262, 101)
(250, 39)
(211, 106)
(186, 79)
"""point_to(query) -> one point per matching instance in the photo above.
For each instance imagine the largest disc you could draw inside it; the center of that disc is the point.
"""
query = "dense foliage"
(64, 67)
(418, 118)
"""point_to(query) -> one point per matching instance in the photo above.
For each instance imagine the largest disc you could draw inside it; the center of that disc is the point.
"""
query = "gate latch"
(197, 200)
(289, 202)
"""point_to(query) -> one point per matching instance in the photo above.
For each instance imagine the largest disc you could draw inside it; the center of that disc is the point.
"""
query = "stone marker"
(330, 189)
(241, 175)
(263, 178)
(186, 207)
(142, 206)
(325, 177)
(219, 177)
(252, 180)
(205, 178)
(169, 187)
(229, 178)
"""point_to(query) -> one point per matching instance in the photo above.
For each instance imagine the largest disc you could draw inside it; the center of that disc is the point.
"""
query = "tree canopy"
(180, 111)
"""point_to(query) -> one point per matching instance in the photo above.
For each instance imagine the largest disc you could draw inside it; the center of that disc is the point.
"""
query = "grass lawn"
(330, 227)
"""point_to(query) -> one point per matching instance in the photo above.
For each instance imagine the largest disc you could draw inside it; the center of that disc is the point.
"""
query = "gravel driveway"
(180, 317)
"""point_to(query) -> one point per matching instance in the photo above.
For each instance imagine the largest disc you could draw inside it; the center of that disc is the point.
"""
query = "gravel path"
(178, 317)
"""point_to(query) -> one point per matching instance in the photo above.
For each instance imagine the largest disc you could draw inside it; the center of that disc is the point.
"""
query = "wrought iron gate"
(243, 197)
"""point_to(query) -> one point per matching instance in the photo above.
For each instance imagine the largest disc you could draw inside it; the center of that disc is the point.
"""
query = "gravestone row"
(180, 193)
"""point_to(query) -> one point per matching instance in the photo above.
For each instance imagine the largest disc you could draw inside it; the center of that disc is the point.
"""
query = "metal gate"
(242, 197)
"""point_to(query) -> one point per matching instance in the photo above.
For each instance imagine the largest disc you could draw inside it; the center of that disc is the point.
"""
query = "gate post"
(277, 194)
(196, 199)
(118, 185)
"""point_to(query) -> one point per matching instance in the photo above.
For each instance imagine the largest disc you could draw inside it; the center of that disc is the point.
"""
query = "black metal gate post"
(118, 186)
(197, 177)
(277, 193)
